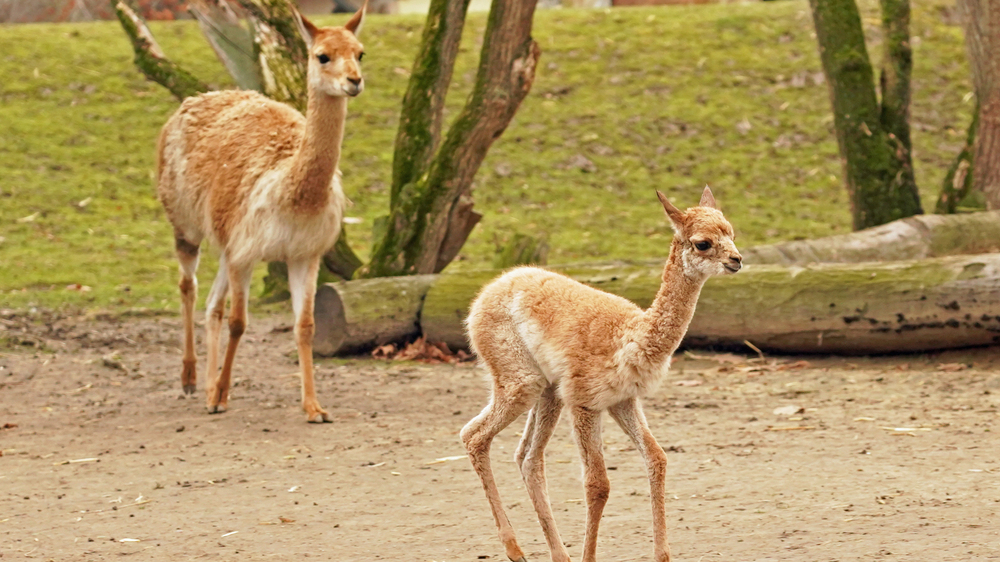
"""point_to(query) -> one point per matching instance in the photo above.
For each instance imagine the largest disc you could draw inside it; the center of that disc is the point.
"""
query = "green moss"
(645, 94)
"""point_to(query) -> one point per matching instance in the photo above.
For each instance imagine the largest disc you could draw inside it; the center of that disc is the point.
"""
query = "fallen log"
(919, 305)
(354, 316)
(347, 322)
(917, 237)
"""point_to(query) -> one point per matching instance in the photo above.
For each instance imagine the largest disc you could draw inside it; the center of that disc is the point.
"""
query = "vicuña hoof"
(319, 417)
(217, 409)
(189, 389)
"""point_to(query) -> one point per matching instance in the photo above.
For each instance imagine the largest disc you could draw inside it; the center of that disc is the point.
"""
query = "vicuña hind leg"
(507, 403)
(187, 255)
(629, 416)
(302, 285)
(239, 283)
(545, 416)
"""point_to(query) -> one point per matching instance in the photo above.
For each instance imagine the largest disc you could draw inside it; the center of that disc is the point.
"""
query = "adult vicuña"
(261, 182)
(549, 341)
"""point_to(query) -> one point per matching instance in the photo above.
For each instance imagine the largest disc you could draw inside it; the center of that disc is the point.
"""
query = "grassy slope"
(652, 96)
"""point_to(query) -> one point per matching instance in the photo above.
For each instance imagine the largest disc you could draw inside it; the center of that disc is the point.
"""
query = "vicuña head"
(335, 56)
(703, 237)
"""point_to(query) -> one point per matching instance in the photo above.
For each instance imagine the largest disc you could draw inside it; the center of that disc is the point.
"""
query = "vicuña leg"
(507, 403)
(302, 285)
(629, 416)
(215, 307)
(239, 288)
(545, 416)
(187, 255)
(587, 430)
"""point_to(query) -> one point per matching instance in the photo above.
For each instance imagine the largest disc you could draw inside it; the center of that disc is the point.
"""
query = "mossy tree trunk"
(956, 190)
(431, 212)
(981, 20)
(151, 60)
(873, 137)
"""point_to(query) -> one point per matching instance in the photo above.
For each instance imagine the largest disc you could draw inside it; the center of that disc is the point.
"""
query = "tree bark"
(355, 316)
(280, 49)
(423, 105)
(957, 189)
(430, 218)
(151, 60)
(981, 19)
(873, 138)
(850, 309)
(232, 42)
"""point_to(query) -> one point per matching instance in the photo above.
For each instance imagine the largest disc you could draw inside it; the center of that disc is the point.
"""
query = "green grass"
(653, 96)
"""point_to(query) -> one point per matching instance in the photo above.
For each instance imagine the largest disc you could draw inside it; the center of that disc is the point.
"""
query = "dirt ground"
(893, 458)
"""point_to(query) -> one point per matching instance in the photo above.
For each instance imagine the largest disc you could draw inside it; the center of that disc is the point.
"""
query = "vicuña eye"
(703, 245)
(361, 56)
(323, 59)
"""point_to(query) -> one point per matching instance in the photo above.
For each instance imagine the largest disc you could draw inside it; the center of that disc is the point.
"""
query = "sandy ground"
(892, 458)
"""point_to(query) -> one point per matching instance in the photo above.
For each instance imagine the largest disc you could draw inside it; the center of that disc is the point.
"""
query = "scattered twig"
(760, 354)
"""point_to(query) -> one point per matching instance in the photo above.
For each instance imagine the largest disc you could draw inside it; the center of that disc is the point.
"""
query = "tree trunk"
(957, 190)
(431, 217)
(848, 309)
(873, 139)
(359, 315)
(423, 105)
(149, 57)
(280, 49)
(981, 19)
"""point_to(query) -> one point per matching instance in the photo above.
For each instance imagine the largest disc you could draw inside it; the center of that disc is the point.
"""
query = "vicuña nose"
(355, 81)
(738, 260)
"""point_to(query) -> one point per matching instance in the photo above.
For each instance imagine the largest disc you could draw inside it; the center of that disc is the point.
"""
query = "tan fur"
(549, 341)
(259, 180)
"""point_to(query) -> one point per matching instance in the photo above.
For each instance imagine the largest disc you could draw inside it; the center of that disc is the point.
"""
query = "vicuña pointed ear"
(307, 29)
(707, 199)
(673, 213)
(354, 24)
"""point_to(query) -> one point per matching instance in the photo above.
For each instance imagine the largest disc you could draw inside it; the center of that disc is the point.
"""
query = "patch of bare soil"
(805, 459)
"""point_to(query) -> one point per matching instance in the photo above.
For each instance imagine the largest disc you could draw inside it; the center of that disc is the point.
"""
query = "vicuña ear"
(673, 213)
(707, 199)
(354, 24)
(307, 29)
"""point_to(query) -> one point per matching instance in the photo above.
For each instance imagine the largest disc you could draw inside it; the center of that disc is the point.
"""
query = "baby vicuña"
(550, 342)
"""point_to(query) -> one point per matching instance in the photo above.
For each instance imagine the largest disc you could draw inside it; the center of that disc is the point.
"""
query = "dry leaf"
(688, 383)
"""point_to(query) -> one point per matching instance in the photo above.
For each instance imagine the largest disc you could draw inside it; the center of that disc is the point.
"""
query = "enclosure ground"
(892, 458)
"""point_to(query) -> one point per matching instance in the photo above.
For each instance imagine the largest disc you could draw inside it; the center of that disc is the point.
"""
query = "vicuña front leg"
(587, 429)
(629, 416)
(302, 286)
(239, 283)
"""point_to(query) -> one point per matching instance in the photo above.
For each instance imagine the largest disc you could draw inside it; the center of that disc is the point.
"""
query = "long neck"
(666, 321)
(315, 161)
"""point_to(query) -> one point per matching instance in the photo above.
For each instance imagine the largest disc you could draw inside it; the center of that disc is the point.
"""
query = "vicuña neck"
(666, 320)
(316, 160)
